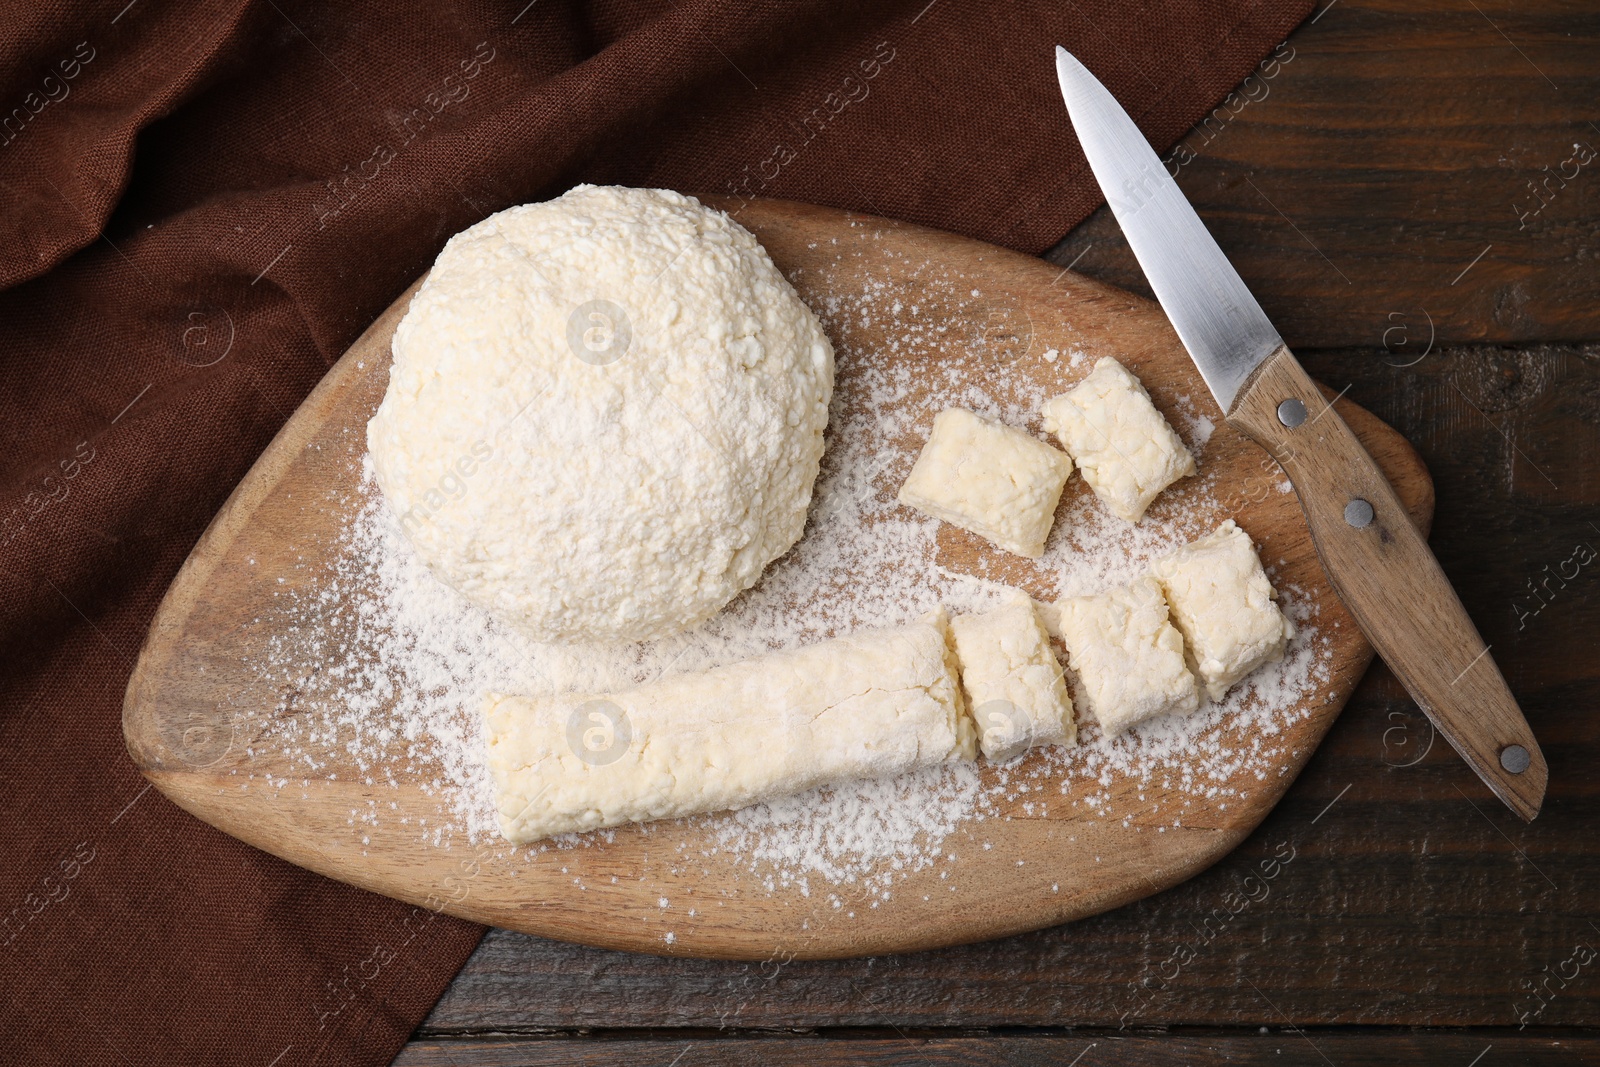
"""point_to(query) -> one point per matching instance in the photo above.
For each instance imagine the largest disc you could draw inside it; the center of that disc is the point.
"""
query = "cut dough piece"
(1126, 450)
(1223, 603)
(986, 477)
(873, 704)
(1012, 681)
(1127, 655)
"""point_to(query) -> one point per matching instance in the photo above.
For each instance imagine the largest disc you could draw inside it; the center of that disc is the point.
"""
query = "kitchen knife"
(1373, 554)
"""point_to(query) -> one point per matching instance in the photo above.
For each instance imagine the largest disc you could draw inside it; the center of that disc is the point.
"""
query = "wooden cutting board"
(197, 721)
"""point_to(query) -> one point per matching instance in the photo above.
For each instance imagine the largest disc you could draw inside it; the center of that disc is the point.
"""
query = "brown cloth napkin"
(204, 204)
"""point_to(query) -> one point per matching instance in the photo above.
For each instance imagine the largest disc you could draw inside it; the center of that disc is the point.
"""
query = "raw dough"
(1126, 450)
(1222, 602)
(1127, 655)
(1012, 681)
(605, 414)
(986, 477)
(872, 704)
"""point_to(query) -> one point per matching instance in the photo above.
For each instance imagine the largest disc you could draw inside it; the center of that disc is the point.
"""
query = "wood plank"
(1413, 900)
(1274, 1048)
(1391, 144)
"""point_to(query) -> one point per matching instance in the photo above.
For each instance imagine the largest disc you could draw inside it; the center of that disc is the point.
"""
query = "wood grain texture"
(1414, 899)
(1385, 574)
(1353, 184)
(1272, 1049)
(200, 720)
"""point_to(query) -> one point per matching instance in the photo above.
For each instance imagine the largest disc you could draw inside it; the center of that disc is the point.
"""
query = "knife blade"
(1374, 556)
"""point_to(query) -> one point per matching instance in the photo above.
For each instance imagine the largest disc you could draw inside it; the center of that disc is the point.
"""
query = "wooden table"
(1376, 195)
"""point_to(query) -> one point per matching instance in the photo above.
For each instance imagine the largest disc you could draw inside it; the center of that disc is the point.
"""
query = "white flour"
(407, 660)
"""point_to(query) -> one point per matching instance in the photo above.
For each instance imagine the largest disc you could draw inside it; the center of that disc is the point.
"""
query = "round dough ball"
(605, 414)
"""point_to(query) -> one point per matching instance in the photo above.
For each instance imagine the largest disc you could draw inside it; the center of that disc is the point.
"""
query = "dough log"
(873, 704)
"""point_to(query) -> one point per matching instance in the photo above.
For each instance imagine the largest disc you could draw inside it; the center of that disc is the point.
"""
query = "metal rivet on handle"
(1358, 513)
(1515, 758)
(1292, 412)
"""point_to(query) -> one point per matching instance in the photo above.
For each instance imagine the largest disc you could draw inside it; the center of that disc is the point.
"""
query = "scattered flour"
(405, 661)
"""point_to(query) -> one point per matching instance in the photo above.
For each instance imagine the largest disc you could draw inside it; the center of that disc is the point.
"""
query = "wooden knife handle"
(1383, 570)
